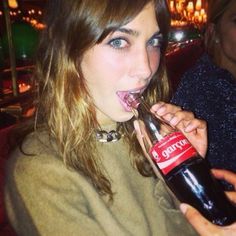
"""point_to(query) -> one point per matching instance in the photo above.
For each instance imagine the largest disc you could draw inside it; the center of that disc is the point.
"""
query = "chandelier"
(185, 12)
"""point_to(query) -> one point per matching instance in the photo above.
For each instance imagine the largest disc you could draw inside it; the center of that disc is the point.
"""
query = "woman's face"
(227, 36)
(124, 61)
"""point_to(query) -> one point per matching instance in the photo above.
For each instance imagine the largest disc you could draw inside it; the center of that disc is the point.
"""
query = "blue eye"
(155, 42)
(118, 43)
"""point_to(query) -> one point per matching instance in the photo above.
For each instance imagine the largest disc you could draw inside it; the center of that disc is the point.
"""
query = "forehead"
(146, 19)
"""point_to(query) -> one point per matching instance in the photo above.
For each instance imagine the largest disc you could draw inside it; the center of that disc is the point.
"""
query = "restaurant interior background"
(20, 26)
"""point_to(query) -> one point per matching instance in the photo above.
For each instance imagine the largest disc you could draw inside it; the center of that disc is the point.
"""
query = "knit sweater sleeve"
(43, 198)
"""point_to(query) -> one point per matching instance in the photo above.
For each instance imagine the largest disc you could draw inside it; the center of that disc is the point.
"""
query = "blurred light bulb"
(13, 3)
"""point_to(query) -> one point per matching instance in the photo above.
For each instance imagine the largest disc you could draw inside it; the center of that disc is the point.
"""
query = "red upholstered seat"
(5, 228)
(180, 60)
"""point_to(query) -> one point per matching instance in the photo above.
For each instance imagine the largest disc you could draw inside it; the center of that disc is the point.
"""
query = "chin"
(126, 116)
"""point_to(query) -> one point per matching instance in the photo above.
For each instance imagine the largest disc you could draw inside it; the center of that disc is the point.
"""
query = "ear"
(211, 28)
(211, 35)
(214, 33)
(211, 31)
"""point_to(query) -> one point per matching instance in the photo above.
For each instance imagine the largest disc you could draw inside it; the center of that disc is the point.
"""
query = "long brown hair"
(65, 107)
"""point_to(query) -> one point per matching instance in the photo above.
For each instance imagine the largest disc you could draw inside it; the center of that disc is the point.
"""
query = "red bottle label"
(171, 151)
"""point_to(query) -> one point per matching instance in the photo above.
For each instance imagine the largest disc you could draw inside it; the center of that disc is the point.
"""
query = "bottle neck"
(156, 127)
(133, 100)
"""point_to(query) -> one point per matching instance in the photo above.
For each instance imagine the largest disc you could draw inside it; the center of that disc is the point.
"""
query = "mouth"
(123, 94)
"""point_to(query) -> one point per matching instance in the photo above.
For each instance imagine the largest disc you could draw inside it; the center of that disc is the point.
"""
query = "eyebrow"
(129, 31)
(134, 32)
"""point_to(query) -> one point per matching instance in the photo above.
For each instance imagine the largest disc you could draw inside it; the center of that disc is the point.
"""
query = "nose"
(141, 65)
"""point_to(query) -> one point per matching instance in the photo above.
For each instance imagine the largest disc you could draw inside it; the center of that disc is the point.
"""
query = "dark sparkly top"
(210, 92)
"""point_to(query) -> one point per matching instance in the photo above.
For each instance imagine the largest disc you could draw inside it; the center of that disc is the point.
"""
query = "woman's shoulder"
(34, 145)
(39, 164)
(37, 153)
(206, 72)
(204, 69)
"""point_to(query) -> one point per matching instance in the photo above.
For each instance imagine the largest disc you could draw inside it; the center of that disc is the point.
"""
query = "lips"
(122, 94)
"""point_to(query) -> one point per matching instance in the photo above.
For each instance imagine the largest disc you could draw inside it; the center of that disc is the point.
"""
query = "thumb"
(201, 225)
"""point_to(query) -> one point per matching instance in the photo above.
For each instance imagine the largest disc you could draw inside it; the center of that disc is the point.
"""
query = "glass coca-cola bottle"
(185, 172)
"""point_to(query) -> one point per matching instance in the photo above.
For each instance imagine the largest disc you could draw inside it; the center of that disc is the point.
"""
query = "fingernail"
(174, 121)
(188, 128)
(159, 104)
(161, 110)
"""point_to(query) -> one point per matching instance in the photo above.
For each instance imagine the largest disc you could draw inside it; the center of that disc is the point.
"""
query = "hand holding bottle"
(203, 226)
(174, 143)
(194, 129)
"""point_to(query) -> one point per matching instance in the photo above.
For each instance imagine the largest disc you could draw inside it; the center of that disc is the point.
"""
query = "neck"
(104, 121)
(230, 66)
(225, 62)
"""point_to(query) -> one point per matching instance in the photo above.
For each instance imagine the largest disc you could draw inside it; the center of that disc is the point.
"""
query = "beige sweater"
(43, 197)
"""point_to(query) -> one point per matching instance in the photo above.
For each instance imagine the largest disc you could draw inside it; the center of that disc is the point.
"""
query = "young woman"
(80, 169)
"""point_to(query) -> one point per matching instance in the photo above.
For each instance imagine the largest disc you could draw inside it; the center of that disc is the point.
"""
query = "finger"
(194, 129)
(195, 124)
(162, 109)
(175, 115)
(172, 114)
(201, 225)
(183, 120)
(226, 175)
(231, 196)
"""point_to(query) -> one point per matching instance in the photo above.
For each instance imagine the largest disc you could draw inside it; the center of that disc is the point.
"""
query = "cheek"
(228, 35)
(101, 71)
(113, 65)
(154, 59)
(229, 42)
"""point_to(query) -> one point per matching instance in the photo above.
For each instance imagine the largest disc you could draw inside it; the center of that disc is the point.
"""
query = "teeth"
(134, 92)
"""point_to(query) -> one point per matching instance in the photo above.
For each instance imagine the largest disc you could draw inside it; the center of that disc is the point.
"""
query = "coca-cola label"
(172, 150)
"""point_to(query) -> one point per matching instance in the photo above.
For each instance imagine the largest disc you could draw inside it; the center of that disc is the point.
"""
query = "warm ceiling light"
(198, 5)
(13, 3)
(190, 7)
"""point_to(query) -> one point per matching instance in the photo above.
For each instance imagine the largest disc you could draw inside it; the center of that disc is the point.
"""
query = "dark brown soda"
(192, 183)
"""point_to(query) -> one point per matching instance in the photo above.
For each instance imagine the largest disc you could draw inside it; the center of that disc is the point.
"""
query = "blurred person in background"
(209, 88)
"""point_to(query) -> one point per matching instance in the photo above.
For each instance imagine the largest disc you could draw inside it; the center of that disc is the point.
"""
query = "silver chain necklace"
(105, 137)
